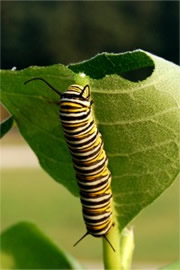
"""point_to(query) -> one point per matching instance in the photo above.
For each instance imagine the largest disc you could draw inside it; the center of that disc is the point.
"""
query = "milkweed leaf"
(136, 105)
(24, 246)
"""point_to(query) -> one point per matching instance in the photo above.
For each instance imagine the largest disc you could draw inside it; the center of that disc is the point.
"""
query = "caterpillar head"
(74, 91)
(82, 92)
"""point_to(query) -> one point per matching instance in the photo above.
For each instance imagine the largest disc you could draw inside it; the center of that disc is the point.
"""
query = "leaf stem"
(127, 248)
(123, 244)
(112, 259)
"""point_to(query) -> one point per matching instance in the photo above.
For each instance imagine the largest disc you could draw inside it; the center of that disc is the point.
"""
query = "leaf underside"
(6, 125)
(138, 118)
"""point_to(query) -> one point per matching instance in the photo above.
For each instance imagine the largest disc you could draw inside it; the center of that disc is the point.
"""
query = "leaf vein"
(141, 150)
(145, 119)
(134, 88)
(59, 139)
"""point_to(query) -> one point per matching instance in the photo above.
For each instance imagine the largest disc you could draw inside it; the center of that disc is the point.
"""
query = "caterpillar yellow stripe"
(89, 158)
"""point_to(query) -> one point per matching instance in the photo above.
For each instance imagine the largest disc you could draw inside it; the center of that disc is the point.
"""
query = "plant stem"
(123, 244)
(127, 248)
(112, 259)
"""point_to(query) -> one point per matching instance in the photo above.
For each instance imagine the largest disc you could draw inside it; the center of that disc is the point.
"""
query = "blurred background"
(49, 32)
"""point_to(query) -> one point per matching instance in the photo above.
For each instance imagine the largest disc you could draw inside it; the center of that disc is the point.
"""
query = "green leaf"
(172, 266)
(6, 125)
(24, 246)
(107, 64)
(137, 115)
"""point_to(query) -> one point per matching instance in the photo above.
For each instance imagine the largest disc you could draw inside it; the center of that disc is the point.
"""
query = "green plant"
(136, 108)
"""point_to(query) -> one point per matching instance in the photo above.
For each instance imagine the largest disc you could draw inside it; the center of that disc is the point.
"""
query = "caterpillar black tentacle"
(89, 159)
(41, 79)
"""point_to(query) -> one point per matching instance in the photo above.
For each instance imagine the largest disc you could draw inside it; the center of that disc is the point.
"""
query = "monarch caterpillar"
(89, 158)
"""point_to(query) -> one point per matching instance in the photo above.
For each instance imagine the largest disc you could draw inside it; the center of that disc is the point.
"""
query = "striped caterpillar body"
(89, 159)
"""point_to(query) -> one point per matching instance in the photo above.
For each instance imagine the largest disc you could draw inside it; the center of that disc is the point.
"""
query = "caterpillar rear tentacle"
(89, 159)
(81, 239)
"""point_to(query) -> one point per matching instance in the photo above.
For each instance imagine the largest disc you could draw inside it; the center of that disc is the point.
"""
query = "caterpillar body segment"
(89, 158)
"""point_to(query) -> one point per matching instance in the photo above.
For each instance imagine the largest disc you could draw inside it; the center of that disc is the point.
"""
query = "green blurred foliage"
(58, 214)
(49, 32)
(40, 253)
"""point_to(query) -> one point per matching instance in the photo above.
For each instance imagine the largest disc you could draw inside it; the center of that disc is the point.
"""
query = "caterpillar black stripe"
(89, 158)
